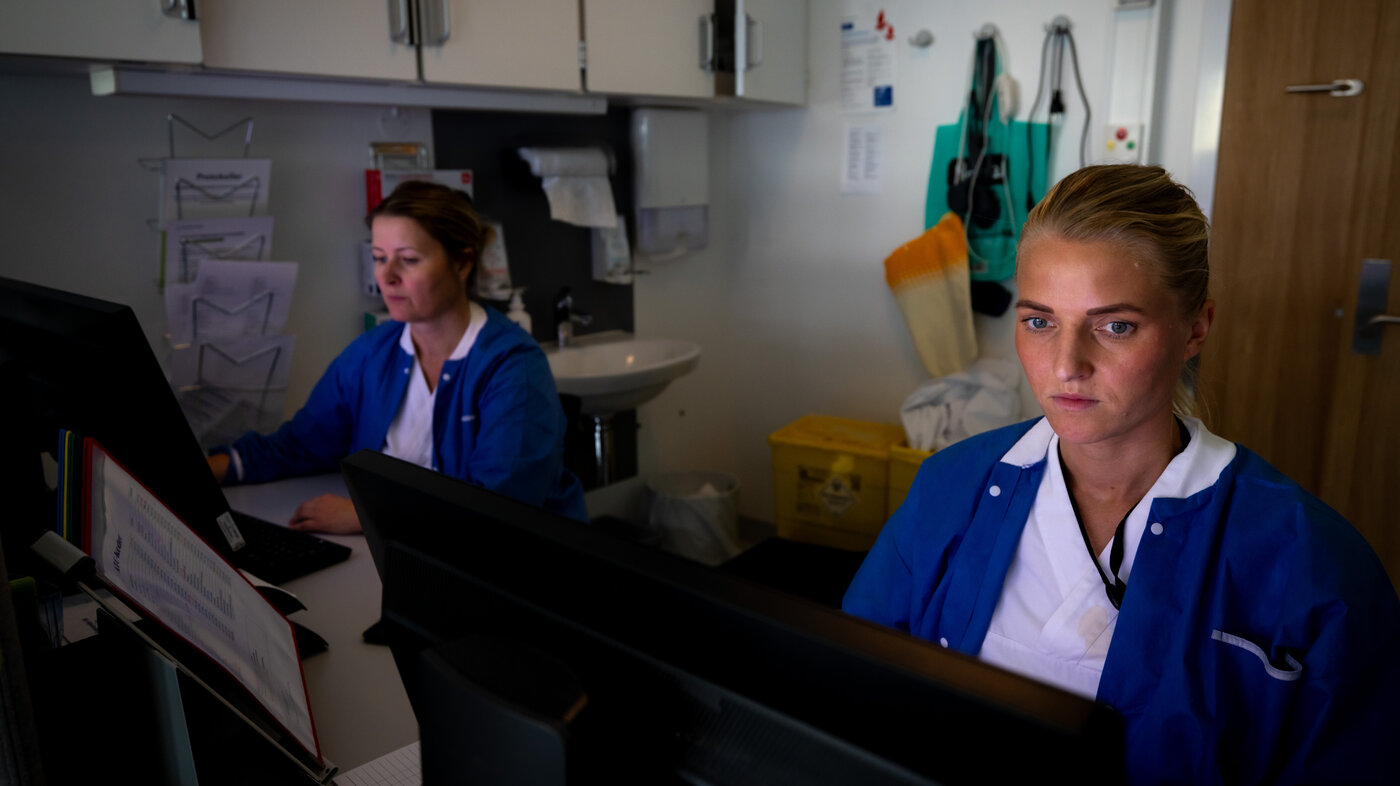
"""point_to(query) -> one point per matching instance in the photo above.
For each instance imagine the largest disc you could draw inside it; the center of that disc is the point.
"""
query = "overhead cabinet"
(770, 50)
(158, 31)
(495, 43)
(502, 43)
(345, 38)
(642, 47)
(748, 49)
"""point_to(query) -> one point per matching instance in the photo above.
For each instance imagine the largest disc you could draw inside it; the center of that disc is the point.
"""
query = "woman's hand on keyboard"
(327, 513)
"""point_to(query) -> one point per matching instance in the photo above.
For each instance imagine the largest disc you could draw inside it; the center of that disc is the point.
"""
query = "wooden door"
(1308, 186)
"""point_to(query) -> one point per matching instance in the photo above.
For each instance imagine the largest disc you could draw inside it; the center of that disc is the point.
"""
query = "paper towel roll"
(575, 180)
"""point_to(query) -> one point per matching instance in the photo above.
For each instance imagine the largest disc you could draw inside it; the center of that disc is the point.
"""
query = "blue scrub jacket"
(497, 421)
(1259, 640)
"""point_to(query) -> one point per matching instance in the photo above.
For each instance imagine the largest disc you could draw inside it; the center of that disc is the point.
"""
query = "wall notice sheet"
(868, 57)
(154, 561)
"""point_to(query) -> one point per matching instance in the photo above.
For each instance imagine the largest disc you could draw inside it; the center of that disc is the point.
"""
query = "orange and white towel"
(929, 279)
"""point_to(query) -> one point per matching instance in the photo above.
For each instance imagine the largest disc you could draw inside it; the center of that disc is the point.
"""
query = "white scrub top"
(1054, 621)
(410, 436)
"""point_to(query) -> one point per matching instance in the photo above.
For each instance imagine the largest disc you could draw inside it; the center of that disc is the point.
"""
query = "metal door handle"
(753, 42)
(176, 8)
(1340, 88)
(1372, 294)
(707, 43)
(437, 22)
(398, 21)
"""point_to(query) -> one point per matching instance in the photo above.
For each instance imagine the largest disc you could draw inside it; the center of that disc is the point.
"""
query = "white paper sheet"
(863, 160)
(200, 188)
(187, 243)
(147, 554)
(402, 767)
(230, 298)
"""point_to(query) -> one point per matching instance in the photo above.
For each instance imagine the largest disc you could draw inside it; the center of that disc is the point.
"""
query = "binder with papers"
(202, 615)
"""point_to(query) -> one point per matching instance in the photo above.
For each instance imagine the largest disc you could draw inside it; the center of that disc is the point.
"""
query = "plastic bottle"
(517, 312)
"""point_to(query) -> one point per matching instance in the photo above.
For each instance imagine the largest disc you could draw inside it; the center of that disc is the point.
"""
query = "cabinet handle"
(437, 26)
(176, 8)
(753, 42)
(707, 42)
(1339, 88)
(398, 21)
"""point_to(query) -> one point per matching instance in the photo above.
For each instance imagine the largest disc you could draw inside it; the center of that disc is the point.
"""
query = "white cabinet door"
(502, 43)
(770, 38)
(101, 29)
(646, 47)
(348, 38)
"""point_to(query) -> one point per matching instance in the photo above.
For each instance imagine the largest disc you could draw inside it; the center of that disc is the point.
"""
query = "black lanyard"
(1117, 587)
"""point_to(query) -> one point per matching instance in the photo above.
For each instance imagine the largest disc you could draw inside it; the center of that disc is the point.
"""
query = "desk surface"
(357, 701)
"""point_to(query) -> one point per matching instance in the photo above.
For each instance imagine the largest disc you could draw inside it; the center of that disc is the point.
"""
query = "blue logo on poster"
(884, 95)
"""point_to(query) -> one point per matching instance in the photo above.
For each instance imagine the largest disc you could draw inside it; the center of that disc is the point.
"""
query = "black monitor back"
(75, 362)
(683, 670)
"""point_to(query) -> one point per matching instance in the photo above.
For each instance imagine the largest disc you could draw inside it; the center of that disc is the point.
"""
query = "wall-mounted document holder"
(230, 298)
(230, 362)
(187, 243)
(156, 164)
(203, 188)
(227, 386)
(221, 181)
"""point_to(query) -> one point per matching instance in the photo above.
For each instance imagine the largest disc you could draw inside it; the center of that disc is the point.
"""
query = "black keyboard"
(277, 554)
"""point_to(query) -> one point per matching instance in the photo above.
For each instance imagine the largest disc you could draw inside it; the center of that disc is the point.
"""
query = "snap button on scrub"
(943, 641)
(446, 377)
(995, 491)
(1156, 528)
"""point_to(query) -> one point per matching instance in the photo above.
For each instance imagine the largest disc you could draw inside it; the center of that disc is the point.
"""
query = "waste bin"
(695, 514)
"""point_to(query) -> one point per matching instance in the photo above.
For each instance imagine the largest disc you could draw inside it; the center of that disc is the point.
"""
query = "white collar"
(1191, 471)
(478, 321)
(1195, 469)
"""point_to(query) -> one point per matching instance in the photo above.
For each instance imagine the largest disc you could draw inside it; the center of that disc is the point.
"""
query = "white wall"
(790, 303)
(76, 200)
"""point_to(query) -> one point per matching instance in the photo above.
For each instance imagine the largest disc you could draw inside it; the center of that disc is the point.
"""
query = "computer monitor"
(82, 364)
(527, 640)
(75, 362)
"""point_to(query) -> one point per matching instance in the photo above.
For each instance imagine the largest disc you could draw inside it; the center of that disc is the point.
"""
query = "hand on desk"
(327, 513)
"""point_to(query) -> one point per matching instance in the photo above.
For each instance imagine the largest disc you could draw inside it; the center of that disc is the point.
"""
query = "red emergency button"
(1121, 133)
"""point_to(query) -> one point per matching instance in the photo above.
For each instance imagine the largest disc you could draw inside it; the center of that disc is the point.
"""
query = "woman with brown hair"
(1119, 550)
(446, 383)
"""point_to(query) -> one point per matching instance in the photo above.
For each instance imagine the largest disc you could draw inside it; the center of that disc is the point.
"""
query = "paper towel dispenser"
(671, 157)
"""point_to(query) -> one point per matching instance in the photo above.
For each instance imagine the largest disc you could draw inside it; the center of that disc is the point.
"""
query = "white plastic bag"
(695, 514)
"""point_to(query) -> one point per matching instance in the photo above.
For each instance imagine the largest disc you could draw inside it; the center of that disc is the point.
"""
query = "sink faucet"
(565, 316)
